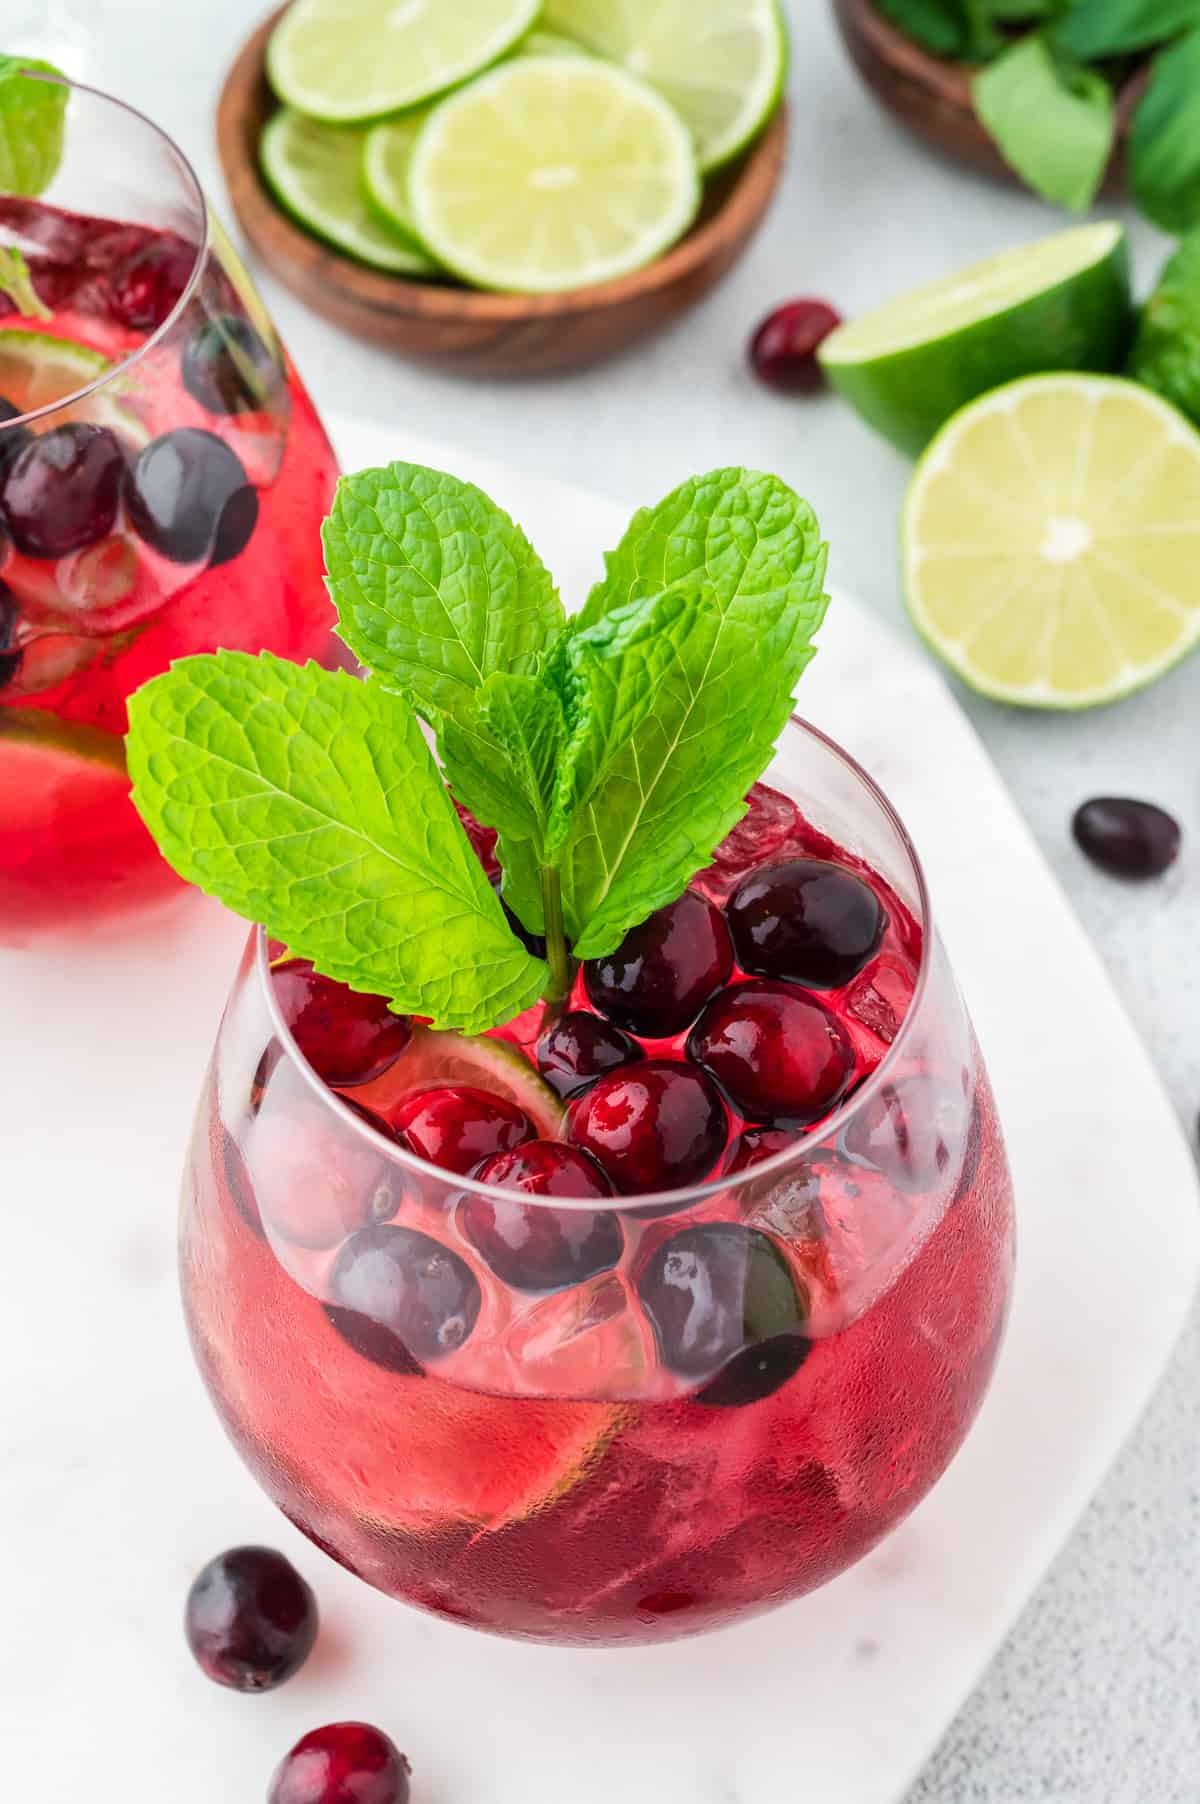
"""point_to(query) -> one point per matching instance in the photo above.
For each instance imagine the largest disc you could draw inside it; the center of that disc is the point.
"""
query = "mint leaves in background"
(1166, 351)
(32, 122)
(1164, 145)
(1051, 118)
(1103, 28)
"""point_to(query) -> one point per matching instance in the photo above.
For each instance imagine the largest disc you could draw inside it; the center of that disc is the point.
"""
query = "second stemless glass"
(163, 476)
(549, 1477)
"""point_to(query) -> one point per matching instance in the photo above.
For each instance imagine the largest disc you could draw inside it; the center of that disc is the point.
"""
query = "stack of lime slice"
(514, 150)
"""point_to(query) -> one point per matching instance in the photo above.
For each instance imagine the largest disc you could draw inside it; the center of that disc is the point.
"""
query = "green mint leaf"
(310, 802)
(1052, 121)
(937, 25)
(1166, 350)
(32, 121)
(17, 283)
(1023, 12)
(1164, 144)
(1092, 29)
(682, 701)
(435, 586)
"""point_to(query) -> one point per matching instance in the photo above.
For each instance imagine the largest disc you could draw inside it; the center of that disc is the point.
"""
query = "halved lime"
(551, 173)
(316, 173)
(1062, 303)
(348, 61)
(433, 1059)
(721, 65)
(387, 153)
(37, 370)
(1051, 540)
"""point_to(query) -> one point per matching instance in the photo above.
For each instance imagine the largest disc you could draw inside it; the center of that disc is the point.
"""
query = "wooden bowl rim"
(752, 180)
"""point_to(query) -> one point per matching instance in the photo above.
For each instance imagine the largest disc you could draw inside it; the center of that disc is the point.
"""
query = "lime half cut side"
(349, 61)
(552, 173)
(37, 370)
(316, 174)
(722, 64)
(1061, 303)
(1051, 540)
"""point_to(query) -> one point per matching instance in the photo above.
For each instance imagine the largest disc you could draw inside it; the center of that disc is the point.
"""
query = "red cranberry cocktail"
(162, 480)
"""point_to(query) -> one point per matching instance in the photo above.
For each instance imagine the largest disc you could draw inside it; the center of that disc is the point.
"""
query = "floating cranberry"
(1127, 838)
(663, 972)
(457, 1127)
(146, 286)
(401, 1299)
(10, 659)
(783, 351)
(251, 1620)
(808, 921)
(579, 1048)
(229, 368)
(777, 1053)
(189, 497)
(13, 439)
(537, 1248)
(346, 1037)
(656, 1126)
(343, 1763)
(63, 489)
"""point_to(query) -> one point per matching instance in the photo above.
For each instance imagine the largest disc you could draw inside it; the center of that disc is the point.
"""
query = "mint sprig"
(32, 122)
(612, 753)
(17, 283)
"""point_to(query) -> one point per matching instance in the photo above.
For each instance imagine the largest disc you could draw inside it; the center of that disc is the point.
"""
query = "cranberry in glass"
(229, 368)
(580, 1047)
(400, 1298)
(656, 1126)
(145, 287)
(755, 1145)
(783, 352)
(346, 1037)
(808, 921)
(251, 1620)
(777, 1053)
(722, 1299)
(13, 439)
(63, 490)
(538, 1248)
(343, 1763)
(10, 660)
(457, 1126)
(1127, 838)
(189, 497)
(663, 972)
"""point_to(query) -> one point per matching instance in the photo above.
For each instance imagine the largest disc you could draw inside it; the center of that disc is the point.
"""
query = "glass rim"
(665, 1201)
(192, 181)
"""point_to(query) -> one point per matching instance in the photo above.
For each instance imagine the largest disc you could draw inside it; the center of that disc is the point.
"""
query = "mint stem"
(562, 973)
(17, 283)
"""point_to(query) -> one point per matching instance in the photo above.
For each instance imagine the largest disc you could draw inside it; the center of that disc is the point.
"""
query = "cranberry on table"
(190, 498)
(13, 439)
(663, 972)
(348, 1038)
(457, 1126)
(10, 659)
(1126, 837)
(229, 368)
(580, 1047)
(146, 286)
(251, 1620)
(343, 1763)
(778, 1054)
(809, 921)
(656, 1126)
(400, 1298)
(783, 351)
(62, 490)
(536, 1248)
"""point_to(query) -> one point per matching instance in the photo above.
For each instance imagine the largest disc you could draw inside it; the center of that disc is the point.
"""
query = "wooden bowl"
(932, 97)
(464, 330)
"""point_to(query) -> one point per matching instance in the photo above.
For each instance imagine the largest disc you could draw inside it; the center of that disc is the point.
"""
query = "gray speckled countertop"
(1095, 1696)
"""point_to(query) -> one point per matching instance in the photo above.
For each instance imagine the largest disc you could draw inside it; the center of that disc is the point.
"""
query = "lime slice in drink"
(1051, 539)
(1062, 303)
(37, 370)
(721, 65)
(387, 154)
(316, 173)
(551, 173)
(347, 61)
(432, 1059)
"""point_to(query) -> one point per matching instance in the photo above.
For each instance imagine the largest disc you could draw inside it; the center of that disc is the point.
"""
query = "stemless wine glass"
(163, 477)
(627, 1420)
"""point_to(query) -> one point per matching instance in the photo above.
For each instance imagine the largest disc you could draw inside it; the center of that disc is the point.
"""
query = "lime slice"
(1051, 539)
(432, 1059)
(1062, 303)
(540, 42)
(37, 370)
(387, 154)
(346, 61)
(316, 173)
(551, 173)
(722, 66)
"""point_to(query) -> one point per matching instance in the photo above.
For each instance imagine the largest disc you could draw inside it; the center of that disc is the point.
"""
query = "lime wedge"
(551, 173)
(36, 370)
(347, 61)
(433, 1059)
(722, 66)
(316, 173)
(387, 153)
(1051, 539)
(1062, 303)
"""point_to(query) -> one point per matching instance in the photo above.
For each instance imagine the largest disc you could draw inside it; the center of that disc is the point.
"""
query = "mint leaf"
(310, 802)
(435, 586)
(1164, 144)
(17, 283)
(32, 120)
(1052, 121)
(1097, 28)
(937, 25)
(681, 702)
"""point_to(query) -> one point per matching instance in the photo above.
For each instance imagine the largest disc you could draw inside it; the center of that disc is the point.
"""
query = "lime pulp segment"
(387, 154)
(316, 173)
(1051, 539)
(37, 370)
